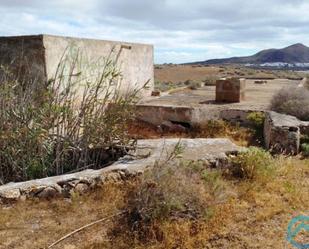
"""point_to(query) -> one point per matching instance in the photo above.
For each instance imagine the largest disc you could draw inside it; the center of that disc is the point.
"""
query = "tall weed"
(76, 120)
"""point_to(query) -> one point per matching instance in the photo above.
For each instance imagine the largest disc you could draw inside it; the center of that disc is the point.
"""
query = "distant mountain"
(295, 54)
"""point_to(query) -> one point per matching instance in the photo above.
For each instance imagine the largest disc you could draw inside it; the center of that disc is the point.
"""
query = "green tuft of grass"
(253, 164)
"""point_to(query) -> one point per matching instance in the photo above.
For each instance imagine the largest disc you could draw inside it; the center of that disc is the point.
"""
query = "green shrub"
(304, 139)
(211, 80)
(192, 84)
(212, 128)
(162, 86)
(305, 149)
(74, 121)
(214, 182)
(257, 119)
(253, 164)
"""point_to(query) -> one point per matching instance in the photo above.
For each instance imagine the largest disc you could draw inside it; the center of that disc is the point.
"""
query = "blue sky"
(180, 30)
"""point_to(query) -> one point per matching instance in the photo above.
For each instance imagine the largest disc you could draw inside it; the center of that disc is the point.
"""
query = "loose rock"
(47, 193)
(81, 188)
(10, 195)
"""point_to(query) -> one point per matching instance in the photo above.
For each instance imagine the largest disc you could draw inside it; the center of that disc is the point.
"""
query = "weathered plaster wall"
(38, 57)
(134, 60)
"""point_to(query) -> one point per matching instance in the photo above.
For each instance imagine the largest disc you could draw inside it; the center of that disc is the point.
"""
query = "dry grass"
(177, 74)
(307, 82)
(36, 224)
(254, 214)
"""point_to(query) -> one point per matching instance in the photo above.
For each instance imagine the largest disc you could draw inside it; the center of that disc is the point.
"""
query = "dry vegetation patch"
(72, 122)
(177, 205)
(292, 101)
(174, 76)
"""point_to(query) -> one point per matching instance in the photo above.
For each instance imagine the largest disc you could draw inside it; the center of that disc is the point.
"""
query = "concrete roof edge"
(72, 37)
(21, 36)
(96, 39)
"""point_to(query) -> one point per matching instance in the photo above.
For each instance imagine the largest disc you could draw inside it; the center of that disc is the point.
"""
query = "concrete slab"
(198, 106)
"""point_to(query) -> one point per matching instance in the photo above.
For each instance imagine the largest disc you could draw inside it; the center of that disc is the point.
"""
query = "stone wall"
(282, 133)
(214, 152)
(38, 57)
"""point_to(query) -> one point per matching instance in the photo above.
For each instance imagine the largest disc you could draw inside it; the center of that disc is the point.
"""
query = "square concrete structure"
(37, 57)
(282, 133)
(230, 90)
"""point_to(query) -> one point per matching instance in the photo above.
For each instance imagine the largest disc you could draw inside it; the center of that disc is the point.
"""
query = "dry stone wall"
(210, 151)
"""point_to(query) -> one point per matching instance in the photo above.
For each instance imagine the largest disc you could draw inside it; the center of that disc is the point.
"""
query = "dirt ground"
(258, 96)
(181, 73)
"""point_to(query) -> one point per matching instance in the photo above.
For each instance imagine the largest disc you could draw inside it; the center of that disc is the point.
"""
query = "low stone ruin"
(230, 90)
(212, 152)
(282, 133)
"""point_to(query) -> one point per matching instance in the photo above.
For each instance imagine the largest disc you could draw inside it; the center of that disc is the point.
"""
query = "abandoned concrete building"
(38, 56)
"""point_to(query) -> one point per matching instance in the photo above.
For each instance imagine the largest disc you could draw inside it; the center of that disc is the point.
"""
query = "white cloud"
(181, 30)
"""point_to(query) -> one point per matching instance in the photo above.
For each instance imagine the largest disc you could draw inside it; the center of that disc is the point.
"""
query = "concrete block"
(282, 133)
(37, 57)
(304, 128)
(230, 90)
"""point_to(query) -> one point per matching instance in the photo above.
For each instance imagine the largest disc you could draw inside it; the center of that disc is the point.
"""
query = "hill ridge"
(296, 53)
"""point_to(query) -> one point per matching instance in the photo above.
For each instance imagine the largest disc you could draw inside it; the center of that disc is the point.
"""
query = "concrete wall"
(24, 56)
(39, 56)
(134, 60)
(230, 90)
(282, 133)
